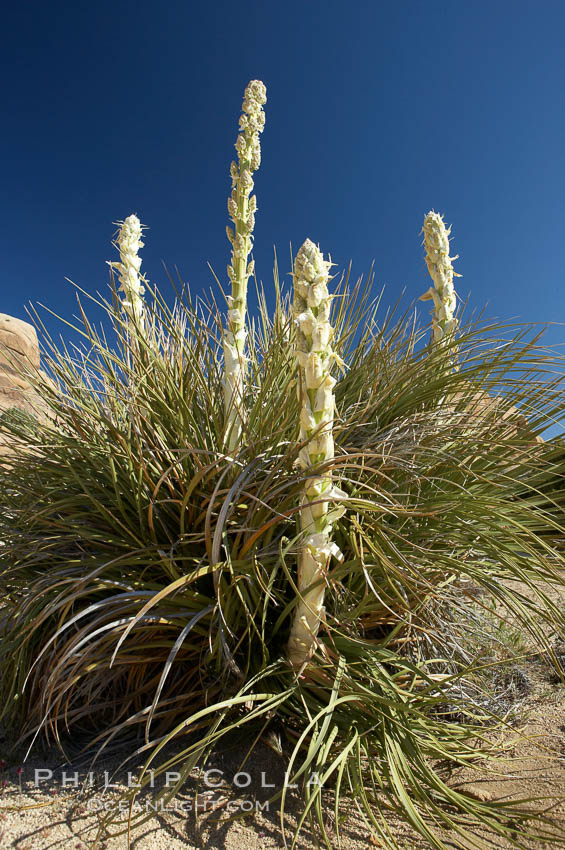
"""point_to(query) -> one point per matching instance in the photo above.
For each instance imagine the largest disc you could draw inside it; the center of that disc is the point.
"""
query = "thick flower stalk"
(242, 206)
(128, 244)
(315, 356)
(439, 263)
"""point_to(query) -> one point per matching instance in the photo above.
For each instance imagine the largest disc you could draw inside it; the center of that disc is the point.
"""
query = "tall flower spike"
(315, 356)
(439, 263)
(128, 244)
(241, 208)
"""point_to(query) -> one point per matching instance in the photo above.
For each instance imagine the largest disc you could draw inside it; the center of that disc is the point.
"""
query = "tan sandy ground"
(52, 817)
(536, 767)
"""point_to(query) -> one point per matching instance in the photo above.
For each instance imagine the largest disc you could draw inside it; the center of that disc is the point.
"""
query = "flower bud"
(232, 208)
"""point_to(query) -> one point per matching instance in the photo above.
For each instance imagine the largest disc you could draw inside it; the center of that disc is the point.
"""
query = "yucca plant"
(151, 574)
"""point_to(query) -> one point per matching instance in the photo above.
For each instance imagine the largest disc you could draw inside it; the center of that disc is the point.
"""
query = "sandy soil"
(42, 812)
(50, 815)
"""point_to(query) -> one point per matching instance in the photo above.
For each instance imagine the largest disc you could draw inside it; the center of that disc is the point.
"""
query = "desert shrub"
(149, 565)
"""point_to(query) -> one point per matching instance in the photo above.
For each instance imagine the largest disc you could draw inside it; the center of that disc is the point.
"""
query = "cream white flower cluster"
(315, 356)
(241, 207)
(129, 243)
(439, 263)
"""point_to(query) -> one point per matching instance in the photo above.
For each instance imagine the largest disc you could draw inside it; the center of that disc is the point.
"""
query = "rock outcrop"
(481, 405)
(19, 352)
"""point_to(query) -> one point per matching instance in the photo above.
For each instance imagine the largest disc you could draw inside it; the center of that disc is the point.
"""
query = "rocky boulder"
(19, 353)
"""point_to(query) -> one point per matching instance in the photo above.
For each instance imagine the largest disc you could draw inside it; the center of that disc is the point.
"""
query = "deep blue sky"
(377, 112)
